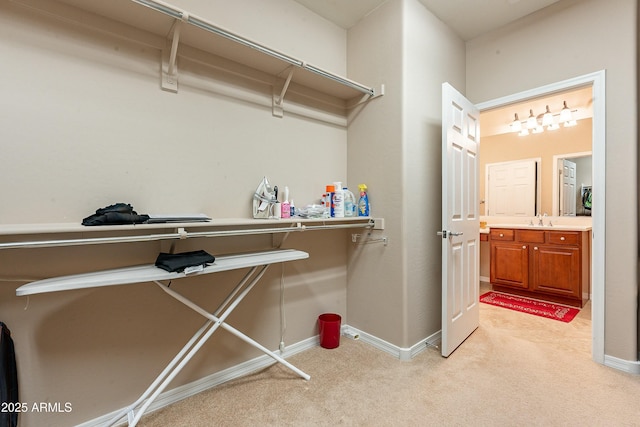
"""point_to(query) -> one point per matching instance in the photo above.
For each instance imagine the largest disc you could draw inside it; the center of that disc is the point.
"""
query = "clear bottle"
(363, 202)
(349, 203)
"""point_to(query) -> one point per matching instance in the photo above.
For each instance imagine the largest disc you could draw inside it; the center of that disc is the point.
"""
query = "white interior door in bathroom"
(460, 231)
(568, 189)
(512, 188)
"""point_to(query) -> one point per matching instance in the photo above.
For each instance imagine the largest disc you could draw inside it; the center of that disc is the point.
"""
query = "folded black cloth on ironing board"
(178, 262)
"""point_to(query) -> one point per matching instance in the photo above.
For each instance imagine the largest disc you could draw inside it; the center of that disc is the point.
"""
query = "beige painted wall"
(394, 293)
(509, 147)
(376, 284)
(596, 35)
(84, 124)
(433, 54)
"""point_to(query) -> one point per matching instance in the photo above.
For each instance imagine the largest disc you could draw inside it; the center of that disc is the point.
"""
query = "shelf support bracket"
(377, 92)
(278, 98)
(170, 56)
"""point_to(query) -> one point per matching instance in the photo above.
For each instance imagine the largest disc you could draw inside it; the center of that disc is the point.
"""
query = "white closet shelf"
(170, 22)
(16, 236)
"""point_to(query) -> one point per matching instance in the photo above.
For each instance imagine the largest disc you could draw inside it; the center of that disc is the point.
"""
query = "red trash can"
(329, 330)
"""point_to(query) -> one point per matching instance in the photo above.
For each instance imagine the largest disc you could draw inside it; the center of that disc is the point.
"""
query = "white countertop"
(559, 227)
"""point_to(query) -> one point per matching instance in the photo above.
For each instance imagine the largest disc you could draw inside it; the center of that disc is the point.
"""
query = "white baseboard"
(399, 352)
(629, 366)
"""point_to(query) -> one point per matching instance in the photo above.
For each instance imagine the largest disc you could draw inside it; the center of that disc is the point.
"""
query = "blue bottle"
(363, 202)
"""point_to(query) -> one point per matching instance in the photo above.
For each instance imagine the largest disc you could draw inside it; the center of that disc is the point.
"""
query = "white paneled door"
(568, 195)
(460, 232)
(512, 188)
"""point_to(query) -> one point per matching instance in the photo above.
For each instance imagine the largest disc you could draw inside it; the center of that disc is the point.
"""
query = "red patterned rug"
(531, 306)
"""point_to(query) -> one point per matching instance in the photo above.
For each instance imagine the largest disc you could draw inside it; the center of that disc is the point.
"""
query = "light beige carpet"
(514, 370)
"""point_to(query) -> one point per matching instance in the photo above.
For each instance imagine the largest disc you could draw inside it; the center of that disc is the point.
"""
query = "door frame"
(597, 82)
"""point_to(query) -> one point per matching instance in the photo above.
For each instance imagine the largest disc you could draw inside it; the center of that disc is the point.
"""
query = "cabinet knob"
(501, 235)
(524, 247)
(535, 248)
(562, 238)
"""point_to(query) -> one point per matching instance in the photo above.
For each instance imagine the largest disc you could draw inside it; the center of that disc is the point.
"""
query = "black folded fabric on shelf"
(116, 214)
(178, 262)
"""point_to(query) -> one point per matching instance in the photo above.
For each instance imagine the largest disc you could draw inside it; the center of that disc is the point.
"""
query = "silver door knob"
(446, 233)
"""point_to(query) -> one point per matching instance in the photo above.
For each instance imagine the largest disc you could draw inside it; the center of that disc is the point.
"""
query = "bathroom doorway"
(596, 83)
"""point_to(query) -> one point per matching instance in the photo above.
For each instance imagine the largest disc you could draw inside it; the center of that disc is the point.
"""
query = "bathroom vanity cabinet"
(548, 264)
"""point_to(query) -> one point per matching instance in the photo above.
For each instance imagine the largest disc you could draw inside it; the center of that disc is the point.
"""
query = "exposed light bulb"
(565, 114)
(516, 125)
(547, 119)
(531, 121)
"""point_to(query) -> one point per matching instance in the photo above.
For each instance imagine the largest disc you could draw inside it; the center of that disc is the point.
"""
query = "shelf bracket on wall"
(170, 56)
(278, 98)
(377, 92)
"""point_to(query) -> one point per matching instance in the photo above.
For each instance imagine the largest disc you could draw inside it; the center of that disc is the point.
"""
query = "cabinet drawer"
(530, 236)
(503, 234)
(564, 237)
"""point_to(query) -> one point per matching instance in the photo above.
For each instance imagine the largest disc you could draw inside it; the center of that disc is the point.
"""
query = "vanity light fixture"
(548, 122)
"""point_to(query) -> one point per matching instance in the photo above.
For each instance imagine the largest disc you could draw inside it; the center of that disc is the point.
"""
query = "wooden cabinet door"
(510, 265)
(556, 270)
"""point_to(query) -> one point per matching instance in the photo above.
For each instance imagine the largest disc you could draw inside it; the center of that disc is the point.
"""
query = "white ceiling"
(468, 18)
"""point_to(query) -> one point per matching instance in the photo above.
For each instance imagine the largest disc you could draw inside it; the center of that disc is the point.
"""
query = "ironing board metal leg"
(130, 409)
(199, 339)
(232, 330)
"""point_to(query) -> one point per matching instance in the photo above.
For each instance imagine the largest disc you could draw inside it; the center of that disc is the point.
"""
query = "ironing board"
(257, 262)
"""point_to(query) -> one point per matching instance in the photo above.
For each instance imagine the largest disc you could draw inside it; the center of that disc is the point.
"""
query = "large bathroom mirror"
(537, 189)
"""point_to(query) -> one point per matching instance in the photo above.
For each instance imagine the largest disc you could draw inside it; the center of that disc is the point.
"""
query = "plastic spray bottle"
(363, 202)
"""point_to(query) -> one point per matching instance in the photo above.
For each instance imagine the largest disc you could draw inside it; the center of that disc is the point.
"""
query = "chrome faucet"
(540, 217)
